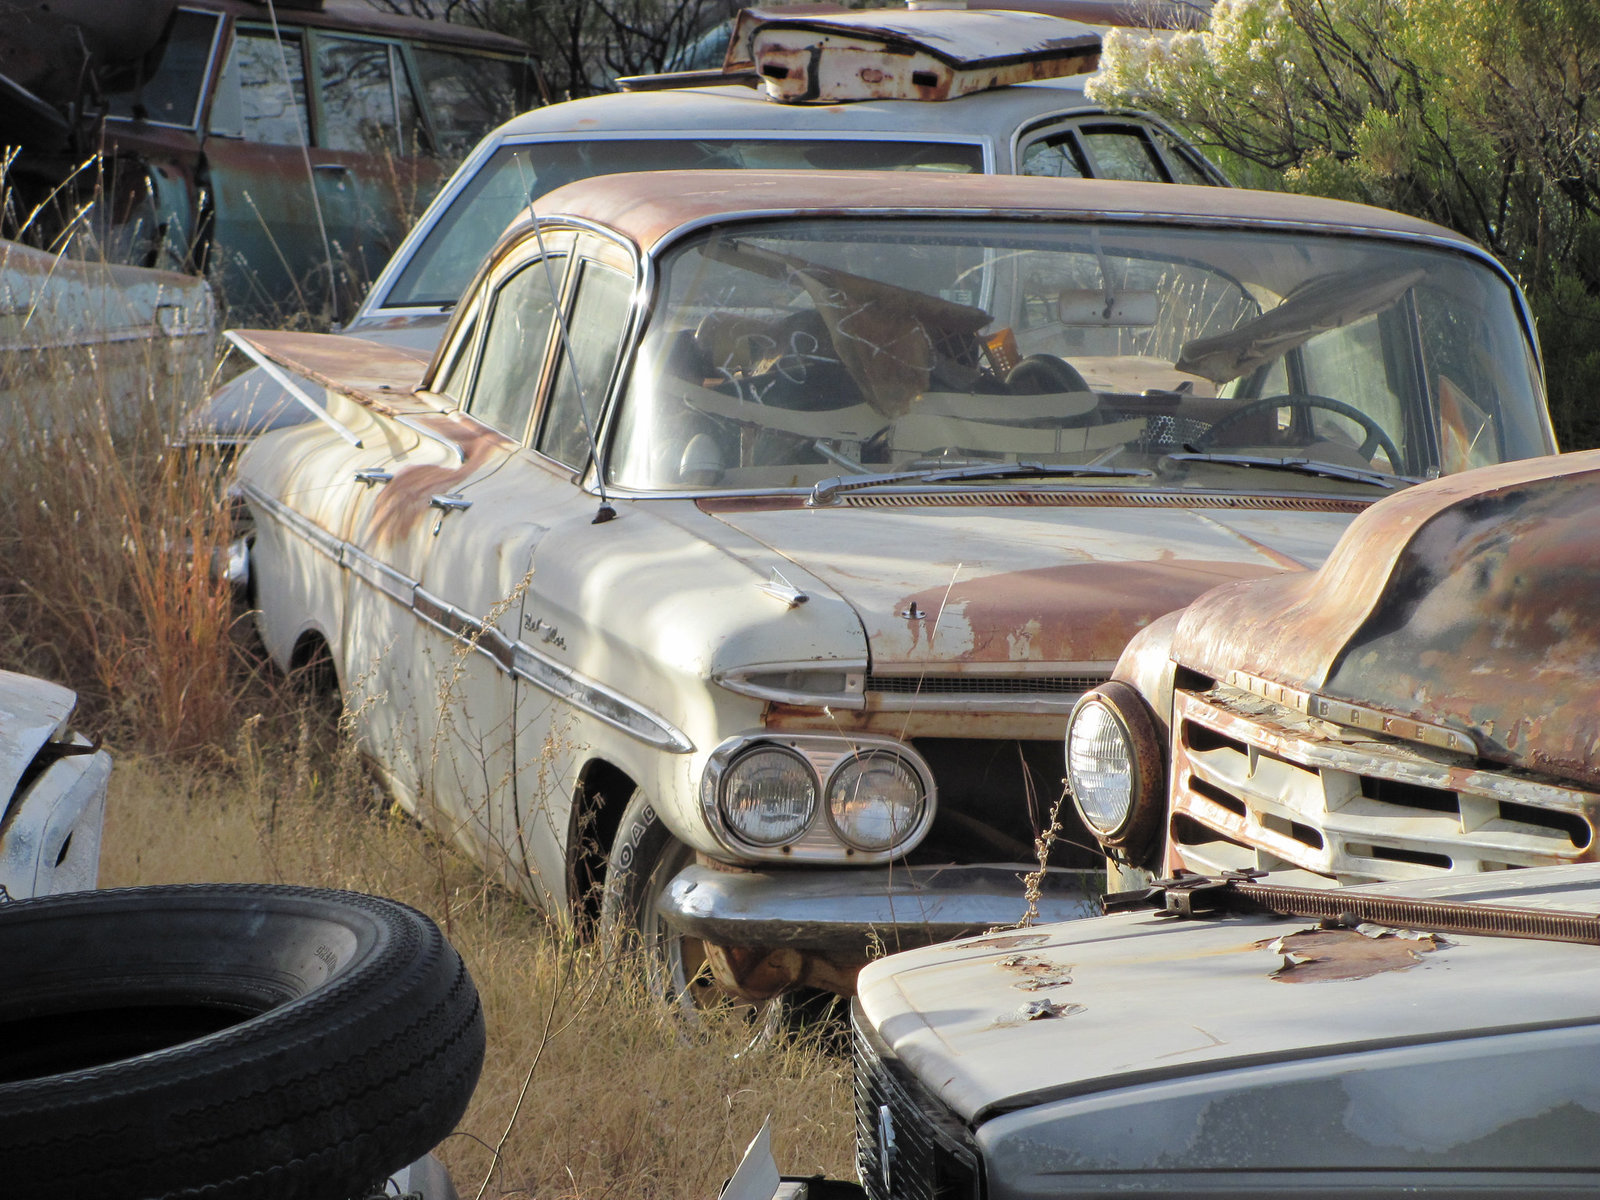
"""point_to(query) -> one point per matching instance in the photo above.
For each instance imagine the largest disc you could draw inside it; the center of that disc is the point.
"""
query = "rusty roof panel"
(650, 207)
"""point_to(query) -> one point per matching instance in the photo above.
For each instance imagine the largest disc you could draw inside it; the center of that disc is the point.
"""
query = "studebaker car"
(1045, 128)
(735, 563)
(1427, 1038)
(1416, 706)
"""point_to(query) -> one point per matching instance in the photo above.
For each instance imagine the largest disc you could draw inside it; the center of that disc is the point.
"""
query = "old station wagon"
(736, 561)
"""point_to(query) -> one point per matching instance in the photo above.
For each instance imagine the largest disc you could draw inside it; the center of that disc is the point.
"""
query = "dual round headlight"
(768, 797)
(1115, 768)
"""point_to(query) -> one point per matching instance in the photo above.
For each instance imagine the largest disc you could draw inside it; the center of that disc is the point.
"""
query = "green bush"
(1471, 113)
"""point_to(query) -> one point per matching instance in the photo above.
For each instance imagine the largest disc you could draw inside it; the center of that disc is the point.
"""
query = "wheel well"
(311, 664)
(602, 794)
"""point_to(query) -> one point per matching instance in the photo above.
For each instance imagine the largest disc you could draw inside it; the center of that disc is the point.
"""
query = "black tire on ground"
(226, 1042)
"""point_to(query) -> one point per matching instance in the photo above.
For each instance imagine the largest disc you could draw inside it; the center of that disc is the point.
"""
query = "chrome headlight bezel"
(805, 803)
(1122, 710)
(826, 755)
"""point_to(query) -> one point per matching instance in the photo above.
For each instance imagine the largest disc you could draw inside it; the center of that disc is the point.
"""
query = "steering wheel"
(1040, 374)
(1377, 439)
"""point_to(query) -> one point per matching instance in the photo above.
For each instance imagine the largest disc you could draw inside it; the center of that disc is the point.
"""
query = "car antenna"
(606, 512)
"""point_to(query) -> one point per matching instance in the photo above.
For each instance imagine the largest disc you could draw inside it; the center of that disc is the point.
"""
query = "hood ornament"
(782, 589)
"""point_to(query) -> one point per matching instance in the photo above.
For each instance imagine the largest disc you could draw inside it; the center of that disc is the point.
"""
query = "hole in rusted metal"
(773, 71)
(1419, 858)
(1325, 955)
(924, 79)
(1201, 739)
(1574, 826)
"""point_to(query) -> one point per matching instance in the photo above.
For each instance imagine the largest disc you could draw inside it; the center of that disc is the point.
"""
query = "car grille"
(984, 685)
(927, 1156)
(1258, 784)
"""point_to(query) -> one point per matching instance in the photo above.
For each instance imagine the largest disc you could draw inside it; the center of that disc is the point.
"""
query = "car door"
(510, 775)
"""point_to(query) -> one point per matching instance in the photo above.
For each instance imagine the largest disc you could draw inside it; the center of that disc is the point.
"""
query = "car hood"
(1140, 998)
(32, 711)
(1467, 602)
(960, 584)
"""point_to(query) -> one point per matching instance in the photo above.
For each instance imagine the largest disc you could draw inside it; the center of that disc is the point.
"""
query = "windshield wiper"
(1303, 466)
(827, 490)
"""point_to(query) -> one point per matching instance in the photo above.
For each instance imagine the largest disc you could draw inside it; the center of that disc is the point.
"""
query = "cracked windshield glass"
(779, 355)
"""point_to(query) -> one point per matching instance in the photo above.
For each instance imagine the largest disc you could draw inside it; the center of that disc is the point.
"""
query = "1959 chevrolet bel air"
(731, 569)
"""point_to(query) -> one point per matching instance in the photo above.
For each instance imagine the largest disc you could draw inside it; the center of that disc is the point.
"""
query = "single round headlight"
(875, 800)
(769, 796)
(1115, 767)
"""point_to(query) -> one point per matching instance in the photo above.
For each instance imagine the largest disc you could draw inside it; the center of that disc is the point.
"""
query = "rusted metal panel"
(928, 55)
(964, 587)
(371, 373)
(650, 207)
(1465, 602)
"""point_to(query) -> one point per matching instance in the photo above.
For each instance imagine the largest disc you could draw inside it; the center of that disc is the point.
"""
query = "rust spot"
(1011, 941)
(1037, 973)
(1075, 612)
(1326, 955)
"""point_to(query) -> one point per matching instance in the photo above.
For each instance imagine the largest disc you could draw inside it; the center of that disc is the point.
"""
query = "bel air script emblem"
(886, 1148)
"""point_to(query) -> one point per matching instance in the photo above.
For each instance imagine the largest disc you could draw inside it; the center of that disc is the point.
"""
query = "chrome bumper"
(853, 912)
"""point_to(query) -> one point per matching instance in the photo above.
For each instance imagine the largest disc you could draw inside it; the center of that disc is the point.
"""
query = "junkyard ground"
(226, 772)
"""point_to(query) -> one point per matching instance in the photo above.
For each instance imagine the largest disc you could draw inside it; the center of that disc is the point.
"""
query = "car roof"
(982, 115)
(651, 208)
(356, 16)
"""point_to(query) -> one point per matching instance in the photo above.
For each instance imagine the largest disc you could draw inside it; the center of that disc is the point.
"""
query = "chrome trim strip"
(853, 697)
(293, 521)
(597, 700)
(380, 575)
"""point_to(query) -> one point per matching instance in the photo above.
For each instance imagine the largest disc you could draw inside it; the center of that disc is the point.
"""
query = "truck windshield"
(515, 176)
(783, 354)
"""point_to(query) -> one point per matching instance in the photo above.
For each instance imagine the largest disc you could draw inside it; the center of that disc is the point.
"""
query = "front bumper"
(845, 914)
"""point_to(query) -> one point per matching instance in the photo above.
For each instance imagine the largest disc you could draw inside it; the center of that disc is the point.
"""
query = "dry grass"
(619, 1100)
(225, 773)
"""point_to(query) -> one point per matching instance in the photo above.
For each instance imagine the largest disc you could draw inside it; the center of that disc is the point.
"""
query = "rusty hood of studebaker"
(1468, 602)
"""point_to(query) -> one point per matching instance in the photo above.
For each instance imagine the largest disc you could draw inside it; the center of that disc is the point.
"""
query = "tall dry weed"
(107, 532)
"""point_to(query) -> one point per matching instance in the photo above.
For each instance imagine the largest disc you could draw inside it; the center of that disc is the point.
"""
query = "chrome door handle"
(372, 475)
(447, 504)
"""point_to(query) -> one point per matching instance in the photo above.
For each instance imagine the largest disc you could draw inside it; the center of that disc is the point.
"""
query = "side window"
(468, 94)
(367, 104)
(1056, 156)
(596, 324)
(1180, 161)
(1121, 152)
(171, 96)
(514, 347)
(456, 370)
(261, 96)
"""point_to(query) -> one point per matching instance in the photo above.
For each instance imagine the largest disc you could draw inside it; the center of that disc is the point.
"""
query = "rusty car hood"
(959, 585)
(1467, 602)
(1125, 1021)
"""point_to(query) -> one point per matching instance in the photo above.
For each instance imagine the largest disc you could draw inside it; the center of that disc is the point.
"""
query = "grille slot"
(1053, 498)
(983, 685)
(928, 1159)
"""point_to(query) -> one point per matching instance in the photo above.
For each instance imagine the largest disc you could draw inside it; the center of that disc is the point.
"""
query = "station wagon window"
(514, 346)
(598, 319)
(467, 94)
(172, 94)
(261, 96)
(1122, 154)
(367, 102)
(1054, 157)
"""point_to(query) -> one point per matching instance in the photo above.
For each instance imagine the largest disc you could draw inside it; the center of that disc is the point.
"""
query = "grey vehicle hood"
(1145, 999)
(993, 584)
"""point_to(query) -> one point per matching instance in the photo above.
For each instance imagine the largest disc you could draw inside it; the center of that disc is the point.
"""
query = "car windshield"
(783, 354)
(515, 176)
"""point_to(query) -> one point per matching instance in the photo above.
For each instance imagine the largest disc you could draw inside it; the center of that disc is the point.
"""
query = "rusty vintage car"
(1046, 127)
(732, 568)
(1416, 706)
(281, 149)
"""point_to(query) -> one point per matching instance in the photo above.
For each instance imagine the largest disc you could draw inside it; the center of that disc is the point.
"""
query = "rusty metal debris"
(1037, 973)
(1323, 955)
